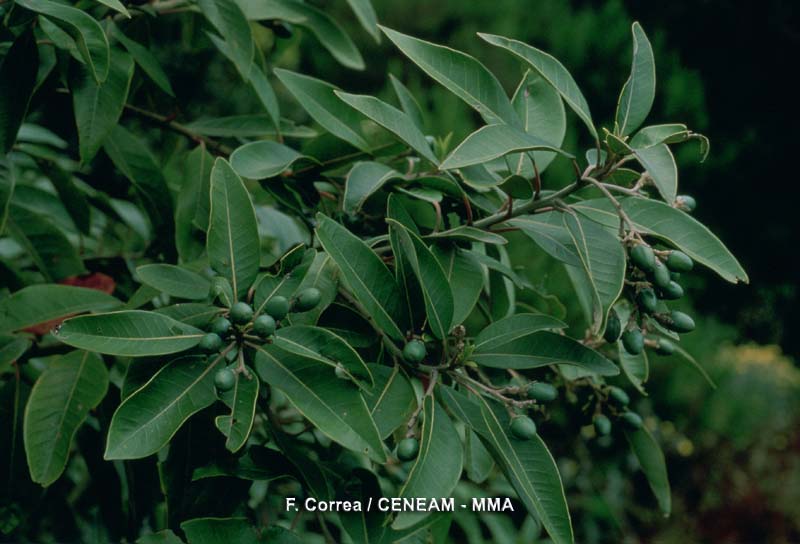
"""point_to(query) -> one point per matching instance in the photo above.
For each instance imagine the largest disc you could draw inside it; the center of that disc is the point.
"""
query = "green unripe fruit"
(673, 291)
(224, 379)
(523, 427)
(678, 261)
(264, 326)
(277, 307)
(665, 347)
(307, 299)
(241, 313)
(220, 326)
(633, 341)
(647, 300)
(613, 328)
(414, 351)
(674, 276)
(618, 396)
(632, 420)
(210, 343)
(602, 425)
(642, 257)
(543, 392)
(680, 322)
(686, 202)
(408, 449)
(660, 274)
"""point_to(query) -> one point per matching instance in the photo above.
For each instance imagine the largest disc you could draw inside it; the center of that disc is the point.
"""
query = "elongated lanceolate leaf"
(639, 90)
(41, 303)
(175, 281)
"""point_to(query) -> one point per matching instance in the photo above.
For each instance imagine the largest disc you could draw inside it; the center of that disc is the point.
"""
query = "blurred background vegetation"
(733, 452)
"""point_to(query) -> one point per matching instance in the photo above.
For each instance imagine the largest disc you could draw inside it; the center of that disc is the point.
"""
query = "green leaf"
(117, 6)
(135, 161)
(51, 251)
(174, 281)
(233, 244)
(60, 400)
(392, 119)
(161, 537)
(602, 261)
(437, 468)
(660, 164)
(465, 276)
(144, 58)
(73, 199)
(217, 530)
(237, 426)
(465, 233)
(539, 349)
(326, 30)
(527, 464)
(493, 141)
(635, 367)
(461, 74)
(431, 278)
(672, 226)
(98, 106)
(265, 159)
(478, 462)
(90, 40)
(229, 20)
(368, 278)
(8, 182)
(408, 103)
(363, 180)
(391, 401)
(324, 347)
(248, 126)
(366, 16)
(550, 235)
(552, 71)
(132, 333)
(541, 109)
(41, 303)
(318, 98)
(514, 327)
(192, 205)
(333, 405)
(639, 90)
(17, 83)
(192, 313)
(651, 459)
(148, 418)
(11, 348)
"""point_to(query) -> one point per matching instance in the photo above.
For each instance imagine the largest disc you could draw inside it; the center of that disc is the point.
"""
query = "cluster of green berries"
(240, 319)
(660, 274)
(620, 400)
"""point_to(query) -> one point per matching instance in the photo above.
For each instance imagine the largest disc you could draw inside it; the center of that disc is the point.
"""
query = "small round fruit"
(686, 202)
(523, 427)
(647, 300)
(408, 449)
(414, 351)
(277, 307)
(224, 379)
(673, 291)
(307, 299)
(632, 420)
(543, 392)
(241, 313)
(660, 274)
(220, 326)
(665, 347)
(618, 396)
(633, 341)
(680, 322)
(264, 326)
(678, 261)
(674, 276)
(602, 425)
(642, 257)
(210, 343)
(613, 328)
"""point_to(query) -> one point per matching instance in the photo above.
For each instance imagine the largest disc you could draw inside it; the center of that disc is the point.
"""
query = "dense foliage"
(322, 306)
